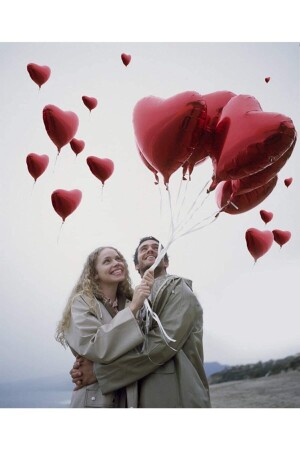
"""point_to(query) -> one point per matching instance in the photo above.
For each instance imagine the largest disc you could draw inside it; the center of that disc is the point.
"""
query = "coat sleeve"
(102, 342)
(177, 315)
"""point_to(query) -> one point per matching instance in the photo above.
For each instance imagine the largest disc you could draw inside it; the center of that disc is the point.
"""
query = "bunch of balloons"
(246, 145)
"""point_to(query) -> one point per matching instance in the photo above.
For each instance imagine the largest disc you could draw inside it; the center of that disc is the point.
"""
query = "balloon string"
(33, 187)
(55, 161)
(60, 231)
(180, 209)
(102, 189)
(171, 210)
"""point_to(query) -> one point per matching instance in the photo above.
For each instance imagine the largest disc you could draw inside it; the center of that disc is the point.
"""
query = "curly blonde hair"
(89, 286)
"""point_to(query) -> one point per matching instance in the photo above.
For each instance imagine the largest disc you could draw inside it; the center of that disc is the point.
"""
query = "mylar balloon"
(60, 125)
(288, 181)
(167, 131)
(215, 103)
(102, 168)
(126, 59)
(65, 202)
(148, 165)
(267, 79)
(90, 102)
(77, 145)
(266, 216)
(262, 177)
(248, 140)
(237, 204)
(258, 242)
(39, 74)
(281, 237)
(37, 164)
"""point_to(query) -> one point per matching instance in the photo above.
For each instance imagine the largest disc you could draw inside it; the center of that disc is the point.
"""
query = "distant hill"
(213, 367)
(260, 369)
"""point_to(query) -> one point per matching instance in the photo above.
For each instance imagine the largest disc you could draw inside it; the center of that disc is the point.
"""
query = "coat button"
(93, 398)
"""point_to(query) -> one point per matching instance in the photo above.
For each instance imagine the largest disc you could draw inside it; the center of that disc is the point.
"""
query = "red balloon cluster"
(61, 127)
(247, 146)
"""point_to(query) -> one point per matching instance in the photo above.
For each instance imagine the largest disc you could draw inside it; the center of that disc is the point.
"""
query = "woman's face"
(110, 267)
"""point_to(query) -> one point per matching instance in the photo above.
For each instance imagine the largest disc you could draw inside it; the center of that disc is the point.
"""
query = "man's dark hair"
(147, 238)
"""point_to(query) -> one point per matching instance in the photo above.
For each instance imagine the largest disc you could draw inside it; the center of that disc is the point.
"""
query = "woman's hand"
(142, 291)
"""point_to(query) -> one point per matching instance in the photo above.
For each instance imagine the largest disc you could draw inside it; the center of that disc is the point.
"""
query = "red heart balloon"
(215, 103)
(248, 140)
(61, 126)
(148, 165)
(281, 237)
(126, 59)
(90, 102)
(65, 202)
(101, 168)
(167, 131)
(258, 242)
(267, 79)
(288, 181)
(37, 164)
(266, 215)
(262, 177)
(77, 145)
(39, 74)
(244, 202)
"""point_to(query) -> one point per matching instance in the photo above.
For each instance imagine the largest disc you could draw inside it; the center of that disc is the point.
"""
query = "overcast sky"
(250, 312)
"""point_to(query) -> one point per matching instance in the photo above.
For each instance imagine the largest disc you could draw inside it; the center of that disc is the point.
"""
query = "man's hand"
(82, 373)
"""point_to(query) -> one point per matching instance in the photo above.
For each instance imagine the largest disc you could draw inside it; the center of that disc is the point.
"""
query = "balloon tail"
(56, 160)
(102, 190)
(33, 187)
(59, 233)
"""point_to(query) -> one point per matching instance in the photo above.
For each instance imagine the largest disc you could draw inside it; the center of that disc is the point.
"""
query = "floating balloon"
(267, 79)
(101, 168)
(266, 215)
(77, 146)
(262, 177)
(148, 165)
(39, 74)
(37, 164)
(237, 204)
(288, 181)
(90, 102)
(281, 237)
(215, 103)
(167, 131)
(65, 202)
(258, 242)
(60, 125)
(126, 59)
(248, 140)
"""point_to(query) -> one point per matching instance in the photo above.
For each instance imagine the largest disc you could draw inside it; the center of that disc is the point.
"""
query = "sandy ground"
(275, 391)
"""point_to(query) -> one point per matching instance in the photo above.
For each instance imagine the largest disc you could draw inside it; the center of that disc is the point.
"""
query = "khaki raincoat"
(100, 338)
(164, 377)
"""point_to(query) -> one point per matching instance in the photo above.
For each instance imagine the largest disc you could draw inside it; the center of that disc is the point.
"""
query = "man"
(163, 374)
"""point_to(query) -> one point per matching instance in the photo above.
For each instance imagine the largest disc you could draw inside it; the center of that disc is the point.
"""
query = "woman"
(99, 320)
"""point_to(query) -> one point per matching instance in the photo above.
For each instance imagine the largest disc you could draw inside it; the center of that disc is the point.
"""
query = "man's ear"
(166, 264)
(137, 267)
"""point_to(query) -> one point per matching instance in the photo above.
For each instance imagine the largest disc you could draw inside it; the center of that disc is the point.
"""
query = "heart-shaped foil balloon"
(65, 202)
(258, 242)
(60, 125)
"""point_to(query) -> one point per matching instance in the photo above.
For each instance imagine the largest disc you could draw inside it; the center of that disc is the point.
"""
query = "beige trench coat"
(100, 338)
(168, 377)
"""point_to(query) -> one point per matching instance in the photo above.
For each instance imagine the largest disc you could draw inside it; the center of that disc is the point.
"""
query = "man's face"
(147, 253)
